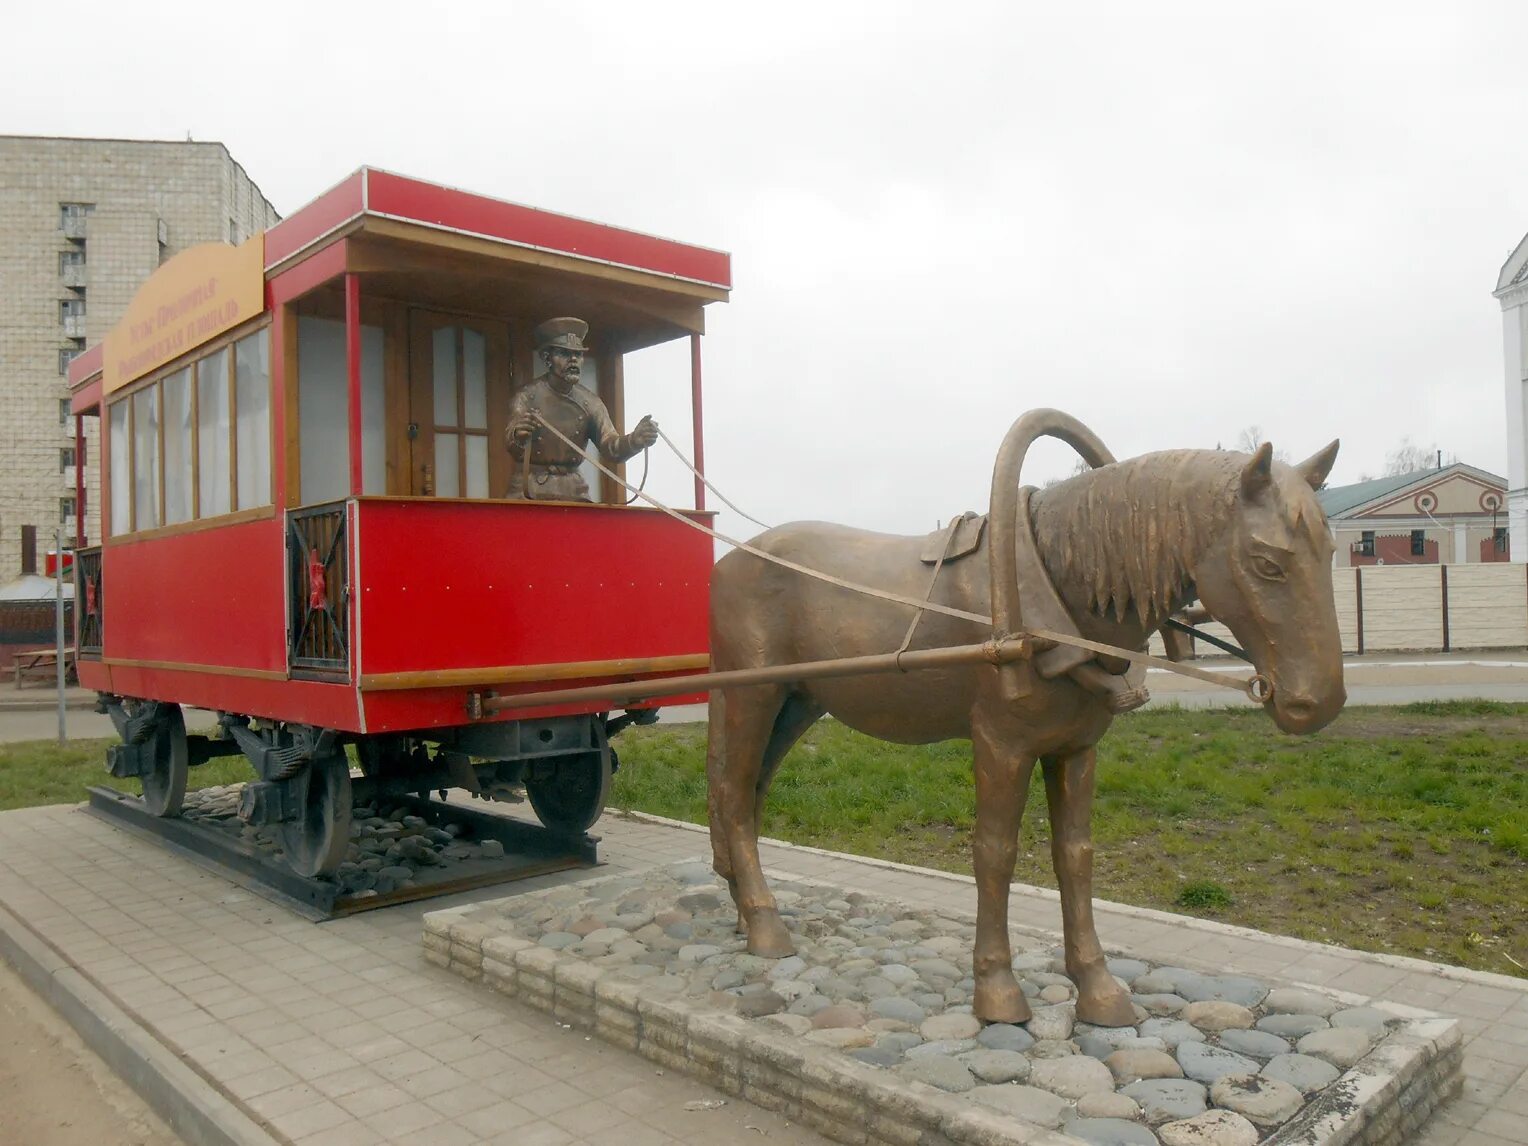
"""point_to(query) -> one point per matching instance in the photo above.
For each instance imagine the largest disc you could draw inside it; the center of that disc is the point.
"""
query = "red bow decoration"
(318, 586)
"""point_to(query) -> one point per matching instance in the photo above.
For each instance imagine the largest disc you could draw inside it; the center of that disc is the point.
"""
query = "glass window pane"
(323, 398)
(212, 435)
(477, 465)
(321, 401)
(447, 456)
(475, 379)
(445, 376)
(146, 457)
(252, 405)
(120, 490)
(178, 474)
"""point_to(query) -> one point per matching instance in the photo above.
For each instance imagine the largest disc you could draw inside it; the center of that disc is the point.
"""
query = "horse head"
(1268, 578)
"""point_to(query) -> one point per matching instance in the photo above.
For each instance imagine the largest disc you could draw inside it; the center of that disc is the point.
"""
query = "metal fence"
(318, 585)
(1420, 608)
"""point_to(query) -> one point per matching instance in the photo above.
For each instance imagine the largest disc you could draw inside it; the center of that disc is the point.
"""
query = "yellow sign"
(193, 298)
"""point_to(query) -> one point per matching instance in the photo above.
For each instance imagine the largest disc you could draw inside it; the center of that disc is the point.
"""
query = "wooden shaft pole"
(996, 653)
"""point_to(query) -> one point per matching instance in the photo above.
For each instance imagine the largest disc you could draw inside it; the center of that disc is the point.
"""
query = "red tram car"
(304, 525)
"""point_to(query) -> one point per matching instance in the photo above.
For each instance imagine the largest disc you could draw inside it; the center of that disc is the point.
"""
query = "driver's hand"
(645, 434)
(522, 429)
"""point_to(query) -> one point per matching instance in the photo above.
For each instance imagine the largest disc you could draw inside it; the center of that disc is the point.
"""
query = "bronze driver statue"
(548, 468)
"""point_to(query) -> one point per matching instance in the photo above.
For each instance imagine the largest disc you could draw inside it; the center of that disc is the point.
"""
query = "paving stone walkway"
(339, 1033)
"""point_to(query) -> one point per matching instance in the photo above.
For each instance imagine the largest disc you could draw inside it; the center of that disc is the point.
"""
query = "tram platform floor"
(251, 1024)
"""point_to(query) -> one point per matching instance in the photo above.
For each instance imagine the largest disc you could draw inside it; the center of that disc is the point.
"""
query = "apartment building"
(82, 223)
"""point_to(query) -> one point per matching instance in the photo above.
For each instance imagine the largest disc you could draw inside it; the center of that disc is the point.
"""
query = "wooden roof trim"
(445, 239)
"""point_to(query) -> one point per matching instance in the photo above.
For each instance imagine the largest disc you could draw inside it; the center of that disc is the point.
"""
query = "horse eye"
(1267, 568)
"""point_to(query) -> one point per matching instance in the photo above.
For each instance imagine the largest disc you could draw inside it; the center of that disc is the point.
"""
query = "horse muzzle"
(1301, 711)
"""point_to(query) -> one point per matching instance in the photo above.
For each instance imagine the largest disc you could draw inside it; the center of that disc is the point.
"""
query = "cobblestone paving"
(1211, 1059)
(340, 1033)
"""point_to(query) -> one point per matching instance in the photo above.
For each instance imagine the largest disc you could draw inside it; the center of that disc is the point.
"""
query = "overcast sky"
(1173, 221)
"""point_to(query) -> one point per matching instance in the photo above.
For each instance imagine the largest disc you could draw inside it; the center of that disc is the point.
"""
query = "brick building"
(1455, 514)
(82, 223)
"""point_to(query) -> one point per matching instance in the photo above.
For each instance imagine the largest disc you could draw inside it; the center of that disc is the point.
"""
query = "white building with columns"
(1512, 292)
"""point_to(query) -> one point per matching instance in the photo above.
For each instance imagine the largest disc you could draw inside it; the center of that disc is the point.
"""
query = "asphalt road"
(1387, 680)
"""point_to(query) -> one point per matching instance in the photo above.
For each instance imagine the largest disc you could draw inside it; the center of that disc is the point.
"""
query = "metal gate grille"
(88, 601)
(318, 587)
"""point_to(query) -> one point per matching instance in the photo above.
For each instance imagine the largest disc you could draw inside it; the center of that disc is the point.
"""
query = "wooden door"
(459, 388)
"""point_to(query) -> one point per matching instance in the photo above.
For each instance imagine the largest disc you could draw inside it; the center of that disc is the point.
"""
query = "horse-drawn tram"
(344, 498)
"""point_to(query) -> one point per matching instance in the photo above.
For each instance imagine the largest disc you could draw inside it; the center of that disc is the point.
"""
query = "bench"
(42, 665)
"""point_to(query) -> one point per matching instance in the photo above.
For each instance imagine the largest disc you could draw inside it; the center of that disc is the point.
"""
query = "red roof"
(385, 195)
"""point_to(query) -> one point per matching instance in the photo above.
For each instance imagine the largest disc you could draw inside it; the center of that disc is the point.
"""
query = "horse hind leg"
(734, 765)
(1069, 796)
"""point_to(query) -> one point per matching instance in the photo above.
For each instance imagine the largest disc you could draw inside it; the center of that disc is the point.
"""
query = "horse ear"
(1315, 468)
(1257, 475)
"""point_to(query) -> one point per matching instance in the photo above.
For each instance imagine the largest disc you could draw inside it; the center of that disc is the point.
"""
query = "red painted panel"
(412, 199)
(298, 701)
(329, 210)
(302, 277)
(446, 584)
(86, 363)
(216, 597)
(86, 398)
(445, 707)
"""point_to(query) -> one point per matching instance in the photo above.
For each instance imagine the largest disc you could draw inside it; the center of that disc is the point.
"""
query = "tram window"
(179, 474)
(252, 406)
(459, 385)
(121, 507)
(214, 464)
(323, 424)
(146, 458)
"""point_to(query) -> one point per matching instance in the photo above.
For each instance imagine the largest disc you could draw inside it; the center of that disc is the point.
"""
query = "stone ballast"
(866, 1033)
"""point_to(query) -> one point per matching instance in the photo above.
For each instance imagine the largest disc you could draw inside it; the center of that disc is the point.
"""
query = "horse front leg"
(1002, 786)
(1069, 795)
(734, 765)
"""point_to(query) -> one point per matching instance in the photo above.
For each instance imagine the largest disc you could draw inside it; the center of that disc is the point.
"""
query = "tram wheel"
(572, 797)
(164, 786)
(315, 841)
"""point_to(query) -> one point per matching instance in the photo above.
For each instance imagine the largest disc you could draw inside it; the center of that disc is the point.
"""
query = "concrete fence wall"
(1401, 608)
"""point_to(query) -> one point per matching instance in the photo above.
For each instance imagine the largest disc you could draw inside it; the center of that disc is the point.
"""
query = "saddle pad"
(962, 536)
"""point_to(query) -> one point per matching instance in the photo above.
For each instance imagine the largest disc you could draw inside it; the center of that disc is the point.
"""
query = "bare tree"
(1408, 457)
(1080, 466)
(1251, 438)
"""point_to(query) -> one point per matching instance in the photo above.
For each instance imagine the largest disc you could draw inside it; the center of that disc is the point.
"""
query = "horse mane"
(1125, 538)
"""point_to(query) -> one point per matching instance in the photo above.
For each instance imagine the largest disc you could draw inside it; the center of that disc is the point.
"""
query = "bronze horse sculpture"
(1123, 545)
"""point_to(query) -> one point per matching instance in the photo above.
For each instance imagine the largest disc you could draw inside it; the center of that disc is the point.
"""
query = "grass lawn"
(1395, 829)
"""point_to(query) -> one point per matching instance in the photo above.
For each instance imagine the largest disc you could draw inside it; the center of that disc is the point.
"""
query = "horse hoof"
(1001, 1004)
(768, 937)
(1108, 1010)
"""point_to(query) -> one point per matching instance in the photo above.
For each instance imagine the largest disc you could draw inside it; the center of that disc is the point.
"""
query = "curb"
(72, 705)
(191, 1106)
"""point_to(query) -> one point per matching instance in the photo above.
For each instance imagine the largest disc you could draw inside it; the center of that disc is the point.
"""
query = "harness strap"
(949, 536)
(1249, 685)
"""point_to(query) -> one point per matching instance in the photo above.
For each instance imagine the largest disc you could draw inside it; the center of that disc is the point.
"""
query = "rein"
(1222, 645)
(1255, 687)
